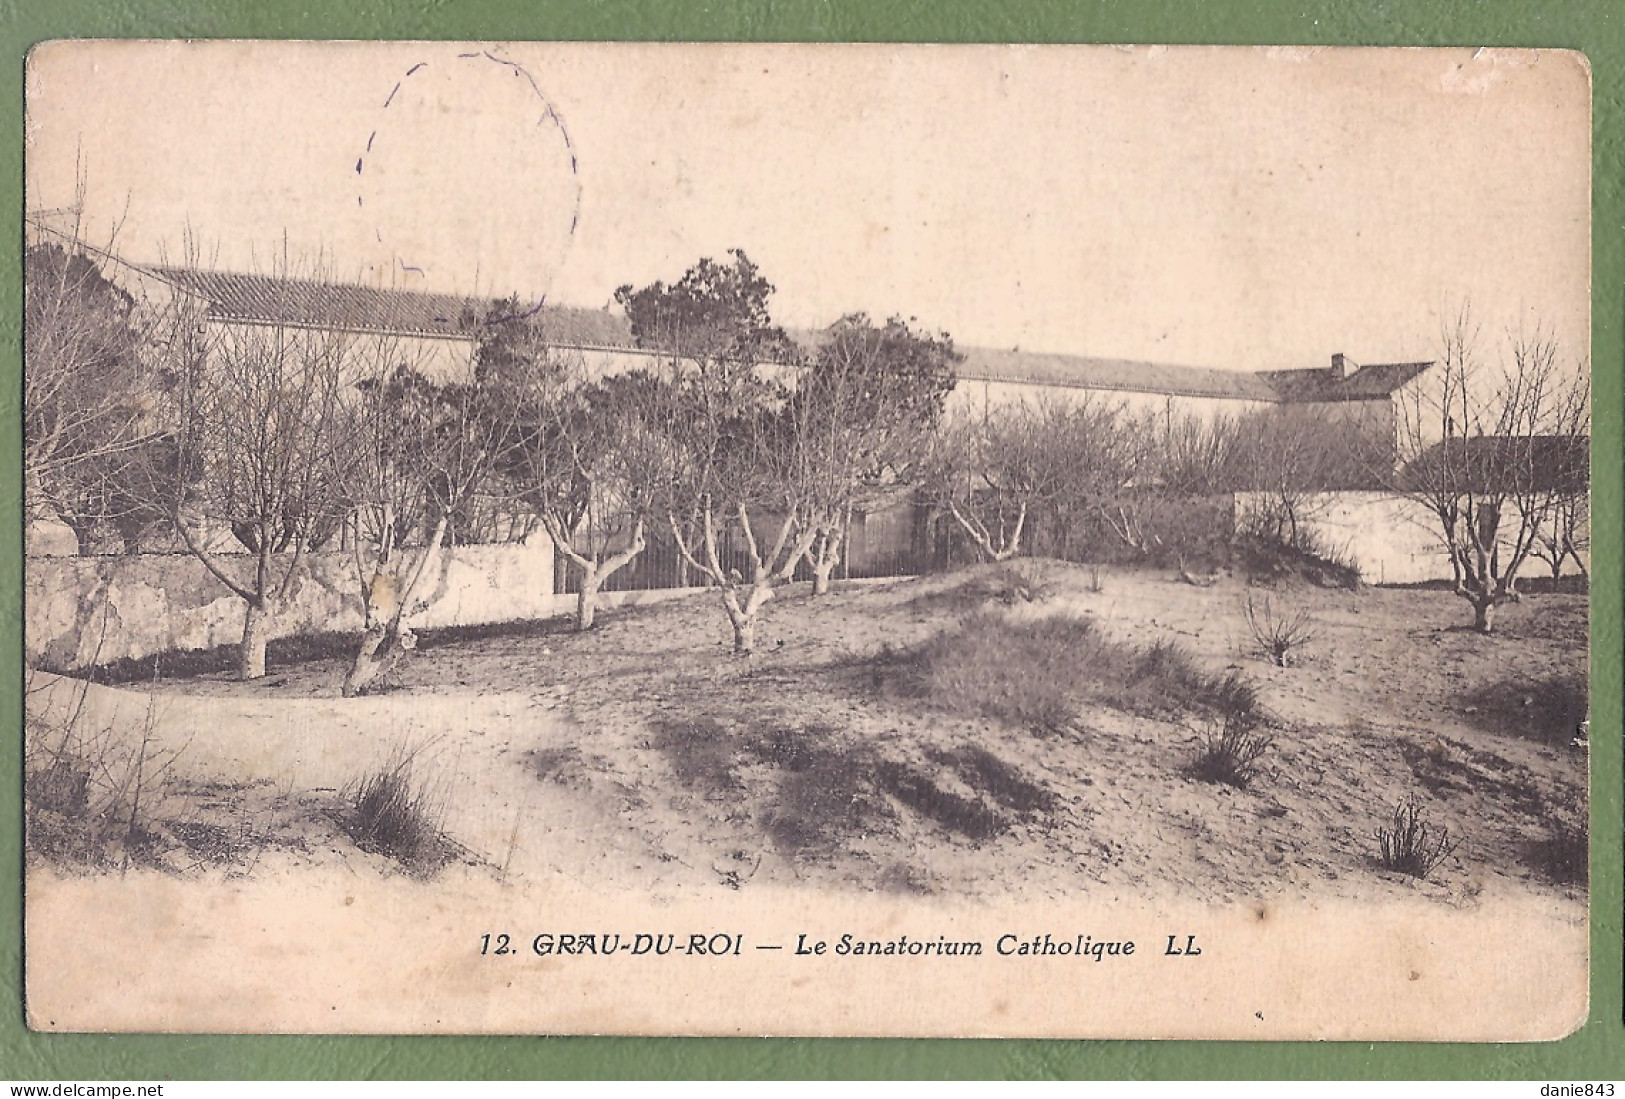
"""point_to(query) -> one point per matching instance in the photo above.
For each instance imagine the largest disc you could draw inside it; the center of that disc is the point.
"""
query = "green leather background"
(1595, 26)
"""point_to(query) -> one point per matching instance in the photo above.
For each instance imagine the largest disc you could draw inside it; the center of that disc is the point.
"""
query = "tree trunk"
(745, 635)
(84, 537)
(367, 664)
(1484, 614)
(825, 551)
(256, 630)
(595, 572)
(742, 616)
(822, 568)
(381, 649)
(391, 597)
(364, 668)
(823, 555)
(587, 598)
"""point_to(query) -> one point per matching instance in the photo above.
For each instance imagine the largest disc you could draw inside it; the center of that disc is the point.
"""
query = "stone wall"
(89, 610)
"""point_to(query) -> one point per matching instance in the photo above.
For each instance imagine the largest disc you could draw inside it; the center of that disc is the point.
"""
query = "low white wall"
(88, 610)
(1393, 541)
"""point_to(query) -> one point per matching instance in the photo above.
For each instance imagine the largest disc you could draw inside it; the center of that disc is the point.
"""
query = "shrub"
(1164, 677)
(394, 815)
(1412, 845)
(1023, 673)
(1265, 558)
(1276, 635)
(1161, 528)
(90, 795)
(1012, 584)
(1234, 745)
(1036, 674)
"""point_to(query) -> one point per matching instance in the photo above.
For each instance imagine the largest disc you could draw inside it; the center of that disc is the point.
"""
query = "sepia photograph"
(850, 540)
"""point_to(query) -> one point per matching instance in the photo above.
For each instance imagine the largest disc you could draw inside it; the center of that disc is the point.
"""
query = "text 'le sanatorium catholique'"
(728, 944)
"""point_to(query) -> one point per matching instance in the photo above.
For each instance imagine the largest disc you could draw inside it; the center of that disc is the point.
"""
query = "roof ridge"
(305, 280)
(1363, 366)
(160, 270)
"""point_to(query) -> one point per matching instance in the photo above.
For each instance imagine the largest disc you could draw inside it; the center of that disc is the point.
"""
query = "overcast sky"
(1238, 208)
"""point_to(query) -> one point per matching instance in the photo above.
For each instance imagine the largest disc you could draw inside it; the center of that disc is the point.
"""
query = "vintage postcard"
(807, 540)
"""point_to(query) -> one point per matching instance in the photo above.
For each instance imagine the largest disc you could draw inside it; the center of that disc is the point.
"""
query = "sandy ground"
(642, 761)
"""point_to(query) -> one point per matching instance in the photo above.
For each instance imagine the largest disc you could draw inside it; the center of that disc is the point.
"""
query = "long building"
(441, 332)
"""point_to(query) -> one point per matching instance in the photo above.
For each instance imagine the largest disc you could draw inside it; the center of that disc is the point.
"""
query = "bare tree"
(859, 424)
(1102, 454)
(1290, 458)
(988, 473)
(257, 416)
(1567, 536)
(734, 505)
(419, 453)
(1491, 457)
(1183, 462)
(729, 473)
(85, 389)
(582, 459)
(995, 472)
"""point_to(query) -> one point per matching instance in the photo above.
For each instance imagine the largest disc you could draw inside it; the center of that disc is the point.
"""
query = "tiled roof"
(260, 299)
(1115, 375)
(1320, 384)
(1311, 385)
(1492, 463)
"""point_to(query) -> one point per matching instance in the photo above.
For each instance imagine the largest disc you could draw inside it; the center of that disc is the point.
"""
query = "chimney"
(1343, 367)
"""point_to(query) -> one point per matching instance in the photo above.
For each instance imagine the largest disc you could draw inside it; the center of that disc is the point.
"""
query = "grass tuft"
(396, 815)
(1234, 745)
(92, 796)
(1276, 635)
(1411, 845)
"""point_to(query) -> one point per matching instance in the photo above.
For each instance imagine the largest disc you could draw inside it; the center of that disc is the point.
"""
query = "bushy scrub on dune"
(90, 794)
(1041, 674)
(104, 798)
